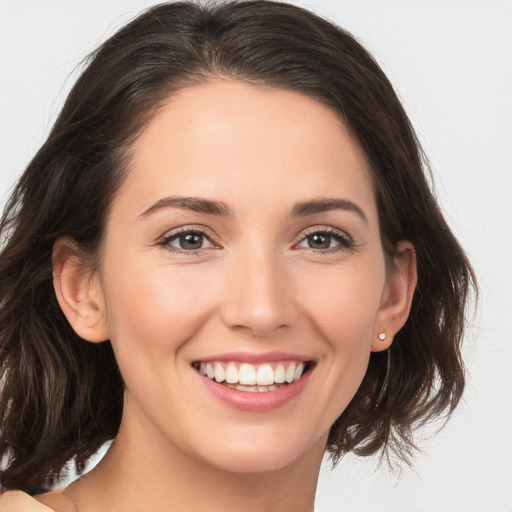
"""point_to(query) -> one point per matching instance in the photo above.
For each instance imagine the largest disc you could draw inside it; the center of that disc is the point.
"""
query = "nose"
(258, 297)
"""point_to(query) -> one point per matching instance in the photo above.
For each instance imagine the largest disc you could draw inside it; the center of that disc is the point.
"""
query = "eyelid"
(165, 239)
(323, 228)
(347, 242)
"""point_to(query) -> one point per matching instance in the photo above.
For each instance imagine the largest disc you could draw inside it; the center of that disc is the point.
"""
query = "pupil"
(319, 241)
(191, 241)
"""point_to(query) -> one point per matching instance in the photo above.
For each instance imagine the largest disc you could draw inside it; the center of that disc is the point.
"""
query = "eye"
(187, 240)
(326, 240)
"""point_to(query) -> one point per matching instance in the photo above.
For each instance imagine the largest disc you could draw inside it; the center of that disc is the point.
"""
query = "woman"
(227, 259)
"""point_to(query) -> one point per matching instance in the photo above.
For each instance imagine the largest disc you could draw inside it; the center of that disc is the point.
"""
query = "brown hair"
(61, 397)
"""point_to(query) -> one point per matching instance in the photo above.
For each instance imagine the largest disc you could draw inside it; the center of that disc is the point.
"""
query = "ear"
(397, 297)
(79, 291)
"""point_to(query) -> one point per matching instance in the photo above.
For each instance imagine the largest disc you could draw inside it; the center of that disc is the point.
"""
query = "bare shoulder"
(56, 501)
(18, 501)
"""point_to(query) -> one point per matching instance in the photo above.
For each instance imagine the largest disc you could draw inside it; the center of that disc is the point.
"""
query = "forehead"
(240, 141)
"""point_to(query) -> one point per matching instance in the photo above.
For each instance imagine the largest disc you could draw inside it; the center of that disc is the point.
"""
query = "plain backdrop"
(451, 64)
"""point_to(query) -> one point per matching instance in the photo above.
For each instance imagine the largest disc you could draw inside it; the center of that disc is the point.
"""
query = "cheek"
(343, 303)
(156, 309)
(339, 305)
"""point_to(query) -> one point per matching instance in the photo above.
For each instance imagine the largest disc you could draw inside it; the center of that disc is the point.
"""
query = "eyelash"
(185, 230)
(344, 242)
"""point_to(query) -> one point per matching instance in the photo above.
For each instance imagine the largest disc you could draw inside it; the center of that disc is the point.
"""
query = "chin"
(260, 455)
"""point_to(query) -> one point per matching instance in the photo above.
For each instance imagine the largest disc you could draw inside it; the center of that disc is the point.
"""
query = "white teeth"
(247, 374)
(265, 375)
(253, 389)
(279, 374)
(231, 374)
(246, 388)
(290, 373)
(261, 377)
(298, 371)
(220, 374)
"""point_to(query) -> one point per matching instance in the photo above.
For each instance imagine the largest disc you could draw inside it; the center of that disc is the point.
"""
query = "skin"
(254, 285)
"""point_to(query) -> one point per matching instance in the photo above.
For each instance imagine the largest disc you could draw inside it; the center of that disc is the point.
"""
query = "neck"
(144, 472)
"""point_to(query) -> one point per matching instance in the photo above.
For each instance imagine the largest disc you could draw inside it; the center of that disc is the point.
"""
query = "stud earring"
(91, 326)
(382, 336)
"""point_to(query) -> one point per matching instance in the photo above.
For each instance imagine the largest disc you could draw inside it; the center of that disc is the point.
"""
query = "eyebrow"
(220, 208)
(324, 205)
(195, 204)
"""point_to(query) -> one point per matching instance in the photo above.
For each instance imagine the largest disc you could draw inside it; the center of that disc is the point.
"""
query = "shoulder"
(18, 501)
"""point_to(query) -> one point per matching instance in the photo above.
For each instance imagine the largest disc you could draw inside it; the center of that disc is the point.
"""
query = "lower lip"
(256, 401)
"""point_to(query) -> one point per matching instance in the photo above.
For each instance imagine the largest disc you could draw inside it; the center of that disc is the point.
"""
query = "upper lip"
(255, 358)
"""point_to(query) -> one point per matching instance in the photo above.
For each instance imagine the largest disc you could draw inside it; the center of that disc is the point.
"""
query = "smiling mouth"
(255, 378)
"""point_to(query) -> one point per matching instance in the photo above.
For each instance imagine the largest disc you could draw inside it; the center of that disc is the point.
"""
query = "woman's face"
(244, 244)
